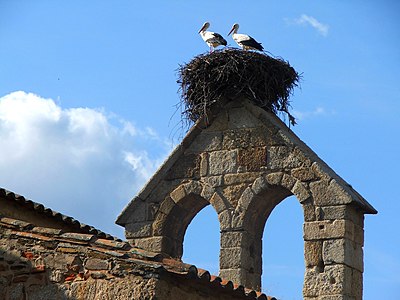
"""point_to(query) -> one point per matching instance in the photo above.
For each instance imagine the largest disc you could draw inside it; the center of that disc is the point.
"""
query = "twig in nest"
(209, 78)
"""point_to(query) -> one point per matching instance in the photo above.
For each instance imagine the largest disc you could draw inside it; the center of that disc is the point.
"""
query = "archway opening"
(283, 251)
(202, 241)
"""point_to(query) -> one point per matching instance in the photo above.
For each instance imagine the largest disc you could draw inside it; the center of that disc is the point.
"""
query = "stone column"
(334, 255)
(241, 258)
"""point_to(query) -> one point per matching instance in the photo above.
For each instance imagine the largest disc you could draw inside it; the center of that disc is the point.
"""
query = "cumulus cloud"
(313, 22)
(81, 161)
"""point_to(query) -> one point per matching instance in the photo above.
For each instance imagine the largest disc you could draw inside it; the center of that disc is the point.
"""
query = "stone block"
(280, 137)
(230, 179)
(206, 141)
(274, 178)
(188, 166)
(223, 162)
(242, 277)
(161, 190)
(166, 206)
(96, 264)
(230, 239)
(320, 230)
(298, 158)
(225, 219)
(231, 258)
(203, 164)
(252, 159)
(213, 181)
(246, 198)
(235, 275)
(334, 280)
(277, 156)
(236, 139)
(193, 187)
(178, 194)
(158, 244)
(259, 185)
(343, 251)
(347, 212)
(218, 203)
(207, 192)
(329, 193)
(303, 174)
(260, 136)
(321, 172)
(288, 181)
(140, 229)
(313, 253)
(301, 192)
(233, 192)
(283, 158)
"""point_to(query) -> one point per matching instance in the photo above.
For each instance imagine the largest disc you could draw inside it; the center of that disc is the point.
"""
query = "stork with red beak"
(212, 39)
(245, 41)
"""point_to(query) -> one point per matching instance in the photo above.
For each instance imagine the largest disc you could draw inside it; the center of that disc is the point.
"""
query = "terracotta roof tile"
(84, 237)
(112, 244)
(47, 231)
(31, 235)
(40, 209)
(16, 223)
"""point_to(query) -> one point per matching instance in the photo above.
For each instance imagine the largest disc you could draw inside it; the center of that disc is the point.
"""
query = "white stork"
(243, 40)
(212, 39)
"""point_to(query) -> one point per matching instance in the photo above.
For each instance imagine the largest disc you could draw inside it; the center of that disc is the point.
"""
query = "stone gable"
(244, 163)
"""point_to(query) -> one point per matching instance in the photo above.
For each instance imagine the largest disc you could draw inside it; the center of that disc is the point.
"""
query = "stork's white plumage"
(212, 39)
(243, 40)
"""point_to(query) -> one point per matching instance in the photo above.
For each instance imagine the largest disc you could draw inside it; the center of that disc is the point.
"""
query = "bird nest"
(227, 74)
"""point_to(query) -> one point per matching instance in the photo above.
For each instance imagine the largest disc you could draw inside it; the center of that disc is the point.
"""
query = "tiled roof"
(120, 251)
(47, 212)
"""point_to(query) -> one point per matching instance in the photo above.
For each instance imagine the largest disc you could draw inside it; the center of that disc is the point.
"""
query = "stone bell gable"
(244, 163)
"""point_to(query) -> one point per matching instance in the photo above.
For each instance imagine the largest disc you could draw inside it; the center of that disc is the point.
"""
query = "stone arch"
(176, 212)
(242, 259)
(241, 243)
(332, 234)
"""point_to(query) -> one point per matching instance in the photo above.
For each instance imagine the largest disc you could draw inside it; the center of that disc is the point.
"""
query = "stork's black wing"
(220, 39)
(252, 43)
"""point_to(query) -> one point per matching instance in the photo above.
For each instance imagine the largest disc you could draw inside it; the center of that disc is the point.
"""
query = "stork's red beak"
(231, 30)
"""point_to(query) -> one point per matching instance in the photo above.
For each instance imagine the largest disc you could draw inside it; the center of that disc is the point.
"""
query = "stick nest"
(230, 73)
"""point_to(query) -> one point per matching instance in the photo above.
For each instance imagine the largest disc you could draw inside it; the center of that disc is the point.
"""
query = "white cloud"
(319, 111)
(313, 22)
(78, 161)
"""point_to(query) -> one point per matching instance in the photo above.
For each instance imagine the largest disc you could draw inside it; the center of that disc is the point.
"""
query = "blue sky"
(87, 101)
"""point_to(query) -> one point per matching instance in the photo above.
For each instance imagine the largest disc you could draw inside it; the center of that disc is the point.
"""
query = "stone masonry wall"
(245, 164)
(45, 263)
